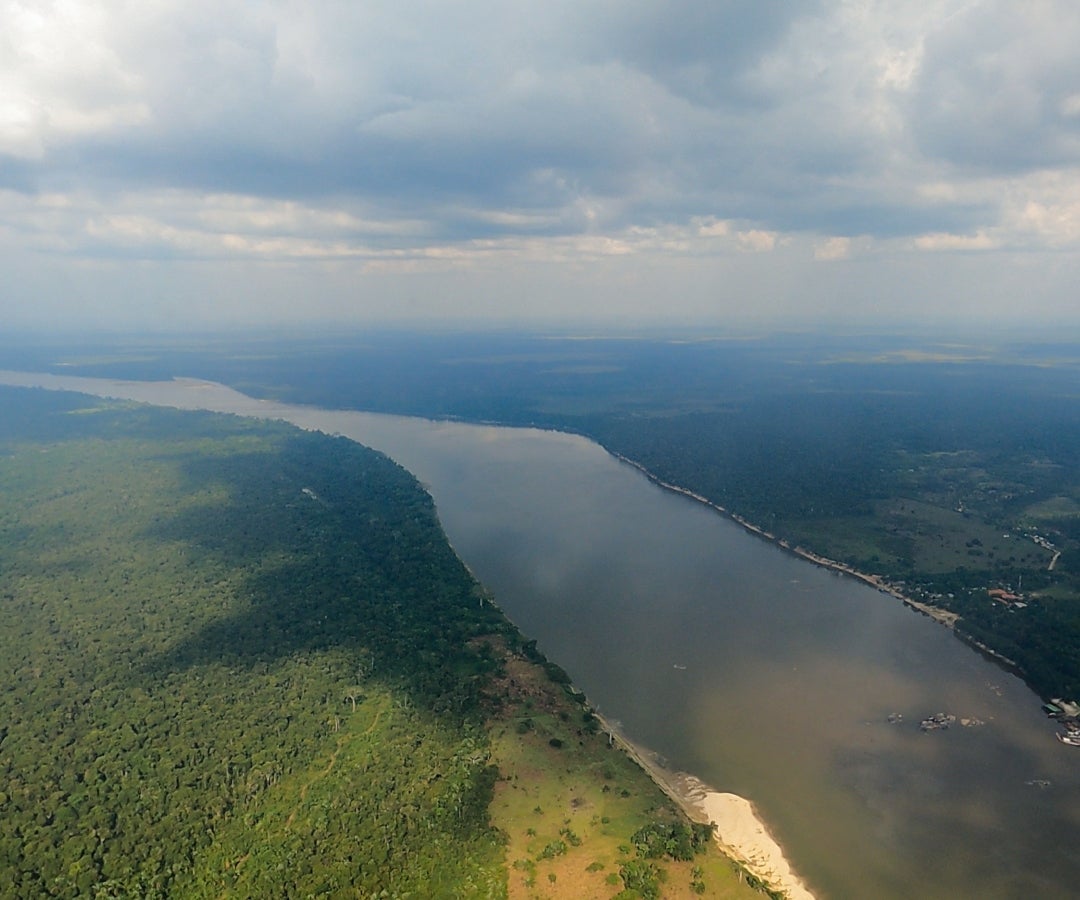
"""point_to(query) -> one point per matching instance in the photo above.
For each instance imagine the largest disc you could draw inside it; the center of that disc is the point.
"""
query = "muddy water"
(758, 672)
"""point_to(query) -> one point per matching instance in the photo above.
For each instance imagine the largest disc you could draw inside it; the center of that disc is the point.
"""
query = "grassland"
(571, 802)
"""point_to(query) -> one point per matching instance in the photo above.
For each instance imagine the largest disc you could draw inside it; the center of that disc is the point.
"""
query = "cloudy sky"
(182, 163)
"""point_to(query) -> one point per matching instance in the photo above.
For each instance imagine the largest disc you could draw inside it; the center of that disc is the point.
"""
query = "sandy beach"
(739, 832)
(744, 836)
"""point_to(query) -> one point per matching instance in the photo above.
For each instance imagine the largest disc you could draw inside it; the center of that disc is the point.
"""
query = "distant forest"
(951, 469)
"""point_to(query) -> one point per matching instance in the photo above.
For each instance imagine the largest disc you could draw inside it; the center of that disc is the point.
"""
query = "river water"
(758, 672)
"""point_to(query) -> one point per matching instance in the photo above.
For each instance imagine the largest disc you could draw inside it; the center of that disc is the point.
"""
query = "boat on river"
(937, 722)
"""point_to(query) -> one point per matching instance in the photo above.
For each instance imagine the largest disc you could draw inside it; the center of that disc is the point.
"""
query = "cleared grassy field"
(570, 803)
(933, 540)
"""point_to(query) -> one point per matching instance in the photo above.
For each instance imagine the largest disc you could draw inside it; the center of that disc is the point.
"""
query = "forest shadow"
(321, 543)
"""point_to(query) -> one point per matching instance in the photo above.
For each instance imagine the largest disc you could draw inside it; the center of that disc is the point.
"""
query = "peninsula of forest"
(242, 660)
(947, 469)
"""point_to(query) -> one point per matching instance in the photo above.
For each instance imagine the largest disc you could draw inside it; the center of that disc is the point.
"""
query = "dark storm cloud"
(699, 51)
(999, 88)
(493, 105)
(387, 134)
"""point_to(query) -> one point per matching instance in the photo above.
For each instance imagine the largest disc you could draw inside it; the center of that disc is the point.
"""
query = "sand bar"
(739, 832)
(744, 836)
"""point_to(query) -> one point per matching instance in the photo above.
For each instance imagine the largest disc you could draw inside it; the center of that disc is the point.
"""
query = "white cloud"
(945, 241)
(833, 248)
(1046, 210)
(475, 135)
(712, 227)
(756, 240)
(1070, 105)
(61, 76)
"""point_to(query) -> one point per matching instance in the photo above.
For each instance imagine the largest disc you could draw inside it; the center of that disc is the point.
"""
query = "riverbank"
(943, 616)
(664, 597)
(743, 835)
(94, 386)
(740, 833)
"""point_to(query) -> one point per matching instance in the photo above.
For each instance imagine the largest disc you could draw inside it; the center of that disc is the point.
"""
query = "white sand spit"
(744, 836)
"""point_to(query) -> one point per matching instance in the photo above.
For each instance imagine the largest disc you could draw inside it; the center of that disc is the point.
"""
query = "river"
(756, 671)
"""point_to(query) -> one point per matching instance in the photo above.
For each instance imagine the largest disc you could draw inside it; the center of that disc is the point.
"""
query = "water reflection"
(758, 672)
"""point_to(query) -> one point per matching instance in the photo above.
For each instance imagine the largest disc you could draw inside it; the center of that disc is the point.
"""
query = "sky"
(173, 164)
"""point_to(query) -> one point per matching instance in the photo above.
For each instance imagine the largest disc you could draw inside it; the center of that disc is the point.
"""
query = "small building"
(1003, 596)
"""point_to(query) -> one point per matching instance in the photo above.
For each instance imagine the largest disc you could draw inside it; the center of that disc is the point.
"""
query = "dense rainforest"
(951, 468)
(242, 660)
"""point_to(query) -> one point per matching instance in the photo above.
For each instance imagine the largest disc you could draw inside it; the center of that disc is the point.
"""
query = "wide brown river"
(756, 671)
